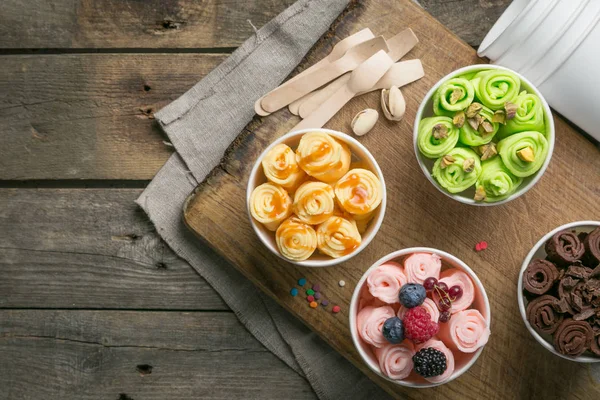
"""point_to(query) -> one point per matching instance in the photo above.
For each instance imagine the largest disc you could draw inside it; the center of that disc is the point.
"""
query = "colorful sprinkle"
(310, 299)
(316, 287)
(301, 281)
(325, 303)
(313, 304)
(294, 292)
(481, 246)
(317, 295)
(310, 292)
(342, 283)
(336, 309)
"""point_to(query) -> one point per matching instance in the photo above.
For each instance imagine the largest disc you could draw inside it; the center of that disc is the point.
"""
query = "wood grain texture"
(471, 20)
(90, 116)
(418, 215)
(141, 355)
(75, 248)
(132, 23)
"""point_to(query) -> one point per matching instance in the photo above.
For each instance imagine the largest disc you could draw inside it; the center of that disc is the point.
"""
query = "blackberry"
(429, 362)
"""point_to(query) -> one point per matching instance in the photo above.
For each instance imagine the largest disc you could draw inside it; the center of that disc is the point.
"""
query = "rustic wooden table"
(92, 303)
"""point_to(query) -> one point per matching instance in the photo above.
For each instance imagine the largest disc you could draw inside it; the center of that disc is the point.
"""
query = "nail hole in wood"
(161, 265)
(147, 88)
(123, 396)
(144, 369)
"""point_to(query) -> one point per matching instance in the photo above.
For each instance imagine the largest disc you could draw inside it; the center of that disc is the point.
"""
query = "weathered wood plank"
(90, 116)
(90, 248)
(418, 215)
(468, 19)
(142, 355)
(132, 23)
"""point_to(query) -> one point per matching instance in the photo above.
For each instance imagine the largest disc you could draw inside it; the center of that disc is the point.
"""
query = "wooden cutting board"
(513, 365)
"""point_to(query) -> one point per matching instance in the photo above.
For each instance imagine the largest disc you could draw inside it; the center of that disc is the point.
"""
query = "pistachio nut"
(459, 119)
(511, 110)
(364, 121)
(447, 160)
(393, 103)
(473, 110)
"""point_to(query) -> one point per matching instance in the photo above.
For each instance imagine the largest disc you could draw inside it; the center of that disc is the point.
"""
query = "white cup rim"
(521, 300)
(550, 129)
(394, 255)
(375, 223)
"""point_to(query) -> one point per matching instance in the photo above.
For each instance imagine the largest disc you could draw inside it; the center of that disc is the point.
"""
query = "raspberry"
(418, 325)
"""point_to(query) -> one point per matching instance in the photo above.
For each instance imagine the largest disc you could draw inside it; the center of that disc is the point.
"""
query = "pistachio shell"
(393, 104)
(364, 121)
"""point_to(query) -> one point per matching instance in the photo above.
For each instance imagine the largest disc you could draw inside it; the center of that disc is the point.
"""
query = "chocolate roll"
(591, 244)
(573, 338)
(542, 315)
(595, 345)
(539, 277)
(564, 248)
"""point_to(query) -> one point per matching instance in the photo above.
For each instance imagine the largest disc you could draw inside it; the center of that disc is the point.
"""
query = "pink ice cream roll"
(385, 281)
(466, 331)
(429, 305)
(370, 321)
(395, 360)
(420, 266)
(452, 277)
(439, 345)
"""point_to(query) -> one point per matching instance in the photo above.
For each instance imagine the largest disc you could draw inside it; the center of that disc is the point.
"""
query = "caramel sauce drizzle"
(349, 243)
(278, 204)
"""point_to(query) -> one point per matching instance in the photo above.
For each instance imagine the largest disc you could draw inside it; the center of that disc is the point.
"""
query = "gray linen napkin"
(201, 125)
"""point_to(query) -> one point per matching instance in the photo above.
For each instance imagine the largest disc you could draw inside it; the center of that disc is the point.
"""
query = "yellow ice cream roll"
(337, 237)
(296, 240)
(270, 204)
(314, 202)
(359, 192)
(323, 157)
(280, 167)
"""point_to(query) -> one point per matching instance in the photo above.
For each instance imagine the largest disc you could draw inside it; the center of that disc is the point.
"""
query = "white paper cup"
(464, 361)
(359, 152)
(568, 43)
(538, 251)
(426, 110)
(520, 18)
(522, 54)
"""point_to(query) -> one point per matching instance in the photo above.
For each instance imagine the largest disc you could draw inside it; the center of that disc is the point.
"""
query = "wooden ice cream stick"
(362, 78)
(400, 74)
(284, 95)
(398, 45)
(337, 52)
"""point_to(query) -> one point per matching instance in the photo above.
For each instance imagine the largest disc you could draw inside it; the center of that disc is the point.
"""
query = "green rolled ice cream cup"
(496, 87)
(453, 177)
(529, 116)
(510, 147)
(497, 180)
(431, 147)
(472, 137)
(444, 102)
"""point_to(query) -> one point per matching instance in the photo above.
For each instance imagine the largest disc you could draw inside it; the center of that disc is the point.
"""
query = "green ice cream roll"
(437, 136)
(529, 116)
(497, 181)
(477, 137)
(453, 95)
(495, 87)
(458, 170)
(523, 153)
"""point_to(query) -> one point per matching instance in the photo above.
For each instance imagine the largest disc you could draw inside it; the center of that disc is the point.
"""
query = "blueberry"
(412, 295)
(393, 330)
